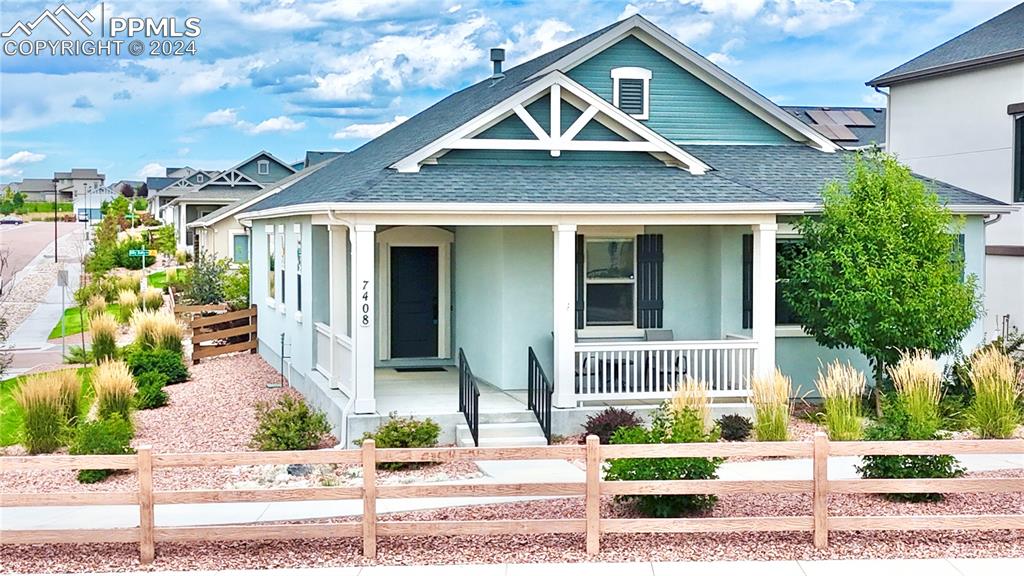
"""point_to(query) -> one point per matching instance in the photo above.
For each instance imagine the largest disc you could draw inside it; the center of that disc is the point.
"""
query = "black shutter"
(649, 279)
(748, 281)
(580, 282)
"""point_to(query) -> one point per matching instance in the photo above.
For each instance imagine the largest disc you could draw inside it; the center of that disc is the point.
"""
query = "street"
(21, 243)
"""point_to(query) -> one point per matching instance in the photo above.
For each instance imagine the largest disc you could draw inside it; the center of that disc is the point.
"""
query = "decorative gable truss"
(232, 178)
(633, 135)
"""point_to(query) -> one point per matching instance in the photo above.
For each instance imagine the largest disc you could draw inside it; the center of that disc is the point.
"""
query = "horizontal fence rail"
(817, 521)
(652, 370)
(208, 332)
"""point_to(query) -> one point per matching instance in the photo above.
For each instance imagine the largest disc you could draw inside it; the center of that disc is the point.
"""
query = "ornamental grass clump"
(131, 282)
(842, 388)
(97, 305)
(103, 330)
(153, 298)
(993, 412)
(917, 380)
(770, 396)
(115, 388)
(692, 395)
(41, 401)
(128, 302)
(70, 394)
(157, 329)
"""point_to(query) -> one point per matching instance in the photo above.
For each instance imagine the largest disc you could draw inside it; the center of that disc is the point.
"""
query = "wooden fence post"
(145, 474)
(820, 490)
(369, 499)
(593, 495)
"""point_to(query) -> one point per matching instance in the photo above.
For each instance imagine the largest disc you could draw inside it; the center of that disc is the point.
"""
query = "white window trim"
(200, 178)
(280, 246)
(633, 73)
(415, 236)
(297, 232)
(271, 244)
(587, 281)
(263, 167)
(232, 234)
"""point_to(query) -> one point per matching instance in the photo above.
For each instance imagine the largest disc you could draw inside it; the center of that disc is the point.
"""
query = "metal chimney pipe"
(497, 57)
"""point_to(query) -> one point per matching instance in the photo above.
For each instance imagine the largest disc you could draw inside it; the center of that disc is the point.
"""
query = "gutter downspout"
(888, 115)
(995, 218)
(352, 397)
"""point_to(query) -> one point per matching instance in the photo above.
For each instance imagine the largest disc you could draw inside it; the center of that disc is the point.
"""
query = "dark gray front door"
(413, 302)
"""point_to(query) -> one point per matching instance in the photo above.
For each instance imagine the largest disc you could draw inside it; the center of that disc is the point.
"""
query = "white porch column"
(764, 298)
(564, 284)
(363, 336)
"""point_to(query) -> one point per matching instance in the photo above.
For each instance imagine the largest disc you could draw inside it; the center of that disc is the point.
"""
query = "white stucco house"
(956, 113)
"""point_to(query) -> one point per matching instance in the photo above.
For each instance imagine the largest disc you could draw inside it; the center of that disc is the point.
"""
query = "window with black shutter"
(1018, 159)
(649, 262)
(748, 281)
(786, 250)
(619, 281)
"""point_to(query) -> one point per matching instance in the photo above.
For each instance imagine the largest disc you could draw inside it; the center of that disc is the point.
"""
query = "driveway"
(24, 242)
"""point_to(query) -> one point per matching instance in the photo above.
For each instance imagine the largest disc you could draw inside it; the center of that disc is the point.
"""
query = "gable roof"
(863, 126)
(158, 183)
(995, 40)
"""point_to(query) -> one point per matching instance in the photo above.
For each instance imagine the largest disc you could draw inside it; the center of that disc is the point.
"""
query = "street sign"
(131, 216)
(138, 253)
(151, 253)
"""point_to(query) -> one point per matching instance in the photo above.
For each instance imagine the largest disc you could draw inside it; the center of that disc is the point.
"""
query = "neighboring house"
(223, 236)
(66, 186)
(852, 128)
(88, 207)
(164, 189)
(956, 113)
(615, 206)
(190, 199)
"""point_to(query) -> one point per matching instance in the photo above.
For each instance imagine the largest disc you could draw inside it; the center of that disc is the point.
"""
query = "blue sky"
(292, 75)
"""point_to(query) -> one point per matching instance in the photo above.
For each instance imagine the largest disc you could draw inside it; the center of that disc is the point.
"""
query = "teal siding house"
(581, 230)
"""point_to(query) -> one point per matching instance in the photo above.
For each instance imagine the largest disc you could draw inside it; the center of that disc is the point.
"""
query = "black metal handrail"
(469, 398)
(539, 394)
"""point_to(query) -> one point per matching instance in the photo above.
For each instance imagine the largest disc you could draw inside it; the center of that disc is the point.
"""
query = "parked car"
(11, 219)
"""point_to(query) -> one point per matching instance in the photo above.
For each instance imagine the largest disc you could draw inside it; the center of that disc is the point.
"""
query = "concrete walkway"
(932, 567)
(67, 517)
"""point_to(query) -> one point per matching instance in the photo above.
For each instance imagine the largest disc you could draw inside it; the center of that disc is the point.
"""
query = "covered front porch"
(614, 312)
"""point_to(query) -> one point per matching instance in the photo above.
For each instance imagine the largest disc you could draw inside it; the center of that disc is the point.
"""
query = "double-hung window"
(297, 229)
(271, 266)
(610, 281)
(282, 239)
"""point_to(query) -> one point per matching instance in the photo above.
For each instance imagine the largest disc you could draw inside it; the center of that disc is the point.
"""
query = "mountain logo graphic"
(53, 17)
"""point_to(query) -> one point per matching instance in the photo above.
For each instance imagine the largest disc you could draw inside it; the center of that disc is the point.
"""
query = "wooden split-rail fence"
(818, 522)
(216, 331)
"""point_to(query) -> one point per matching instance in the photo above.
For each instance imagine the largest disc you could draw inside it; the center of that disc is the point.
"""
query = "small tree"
(166, 239)
(125, 189)
(879, 270)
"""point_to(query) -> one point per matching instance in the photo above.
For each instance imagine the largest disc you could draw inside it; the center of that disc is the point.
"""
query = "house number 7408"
(364, 319)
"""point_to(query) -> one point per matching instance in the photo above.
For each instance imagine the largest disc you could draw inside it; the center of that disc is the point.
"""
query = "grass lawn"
(10, 413)
(73, 322)
(158, 280)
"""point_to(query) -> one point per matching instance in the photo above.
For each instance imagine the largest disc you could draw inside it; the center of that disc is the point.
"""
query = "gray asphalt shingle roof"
(866, 135)
(997, 39)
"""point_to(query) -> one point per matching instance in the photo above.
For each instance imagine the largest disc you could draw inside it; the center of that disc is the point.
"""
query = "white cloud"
(277, 124)
(221, 117)
(546, 36)
(737, 9)
(368, 130)
(182, 152)
(874, 99)
(722, 59)
(808, 17)
(691, 31)
(151, 169)
(12, 165)
(628, 11)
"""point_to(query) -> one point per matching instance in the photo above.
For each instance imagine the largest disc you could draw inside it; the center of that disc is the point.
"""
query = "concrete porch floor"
(415, 393)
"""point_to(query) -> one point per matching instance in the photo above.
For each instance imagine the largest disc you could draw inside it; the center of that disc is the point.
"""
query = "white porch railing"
(342, 368)
(323, 349)
(651, 370)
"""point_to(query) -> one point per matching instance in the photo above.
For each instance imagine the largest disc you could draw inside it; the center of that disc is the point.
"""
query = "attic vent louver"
(631, 96)
(497, 57)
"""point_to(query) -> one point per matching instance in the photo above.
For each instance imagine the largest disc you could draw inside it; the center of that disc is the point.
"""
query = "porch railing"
(469, 397)
(652, 370)
(322, 349)
(539, 393)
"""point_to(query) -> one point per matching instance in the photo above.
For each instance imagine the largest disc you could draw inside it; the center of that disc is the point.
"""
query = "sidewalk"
(932, 567)
(106, 517)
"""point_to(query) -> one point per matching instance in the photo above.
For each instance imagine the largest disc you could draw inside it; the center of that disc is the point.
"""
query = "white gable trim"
(703, 69)
(639, 137)
(232, 178)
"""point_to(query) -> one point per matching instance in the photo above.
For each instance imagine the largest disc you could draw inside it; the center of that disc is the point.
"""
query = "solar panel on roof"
(839, 117)
(859, 119)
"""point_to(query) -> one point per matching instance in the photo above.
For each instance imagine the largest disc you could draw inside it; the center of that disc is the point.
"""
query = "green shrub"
(77, 355)
(204, 283)
(151, 392)
(166, 362)
(236, 287)
(667, 427)
(898, 424)
(112, 435)
(41, 401)
(403, 432)
(122, 250)
(605, 423)
(735, 428)
(290, 424)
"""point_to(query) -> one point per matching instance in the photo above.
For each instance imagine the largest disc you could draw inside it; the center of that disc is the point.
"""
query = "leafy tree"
(204, 283)
(140, 205)
(880, 270)
(118, 206)
(166, 240)
(125, 189)
(142, 191)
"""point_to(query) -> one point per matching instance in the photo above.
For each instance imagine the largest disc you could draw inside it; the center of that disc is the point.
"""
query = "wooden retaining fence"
(818, 522)
(219, 324)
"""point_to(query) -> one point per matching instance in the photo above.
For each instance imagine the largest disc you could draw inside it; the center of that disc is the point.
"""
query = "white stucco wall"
(955, 128)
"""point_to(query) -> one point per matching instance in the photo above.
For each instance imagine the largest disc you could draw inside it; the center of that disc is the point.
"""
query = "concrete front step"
(503, 434)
